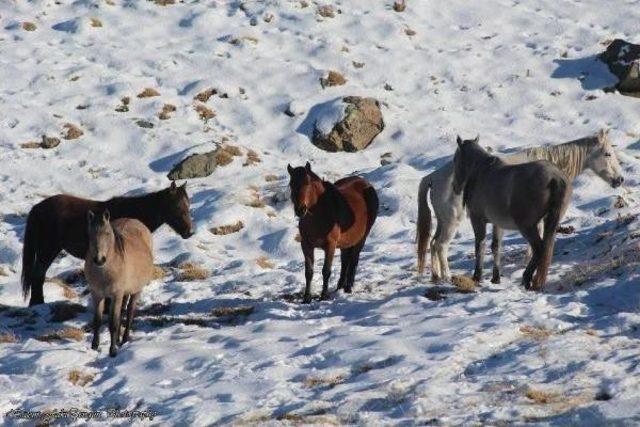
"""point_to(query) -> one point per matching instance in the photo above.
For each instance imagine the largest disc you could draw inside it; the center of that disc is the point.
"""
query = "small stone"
(72, 131)
(326, 11)
(144, 124)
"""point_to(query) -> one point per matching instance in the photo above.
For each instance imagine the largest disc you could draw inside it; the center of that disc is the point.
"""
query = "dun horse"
(513, 197)
(118, 264)
(59, 222)
(338, 215)
(594, 153)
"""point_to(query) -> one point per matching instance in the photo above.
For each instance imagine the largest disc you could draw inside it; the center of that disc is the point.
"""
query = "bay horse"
(593, 153)
(60, 222)
(118, 264)
(512, 197)
(332, 216)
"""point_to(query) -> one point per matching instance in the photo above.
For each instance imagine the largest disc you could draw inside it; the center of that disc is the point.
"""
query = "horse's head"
(101, 237)
(177, 213)
(303, 194)
(463, 162)
(603, 161)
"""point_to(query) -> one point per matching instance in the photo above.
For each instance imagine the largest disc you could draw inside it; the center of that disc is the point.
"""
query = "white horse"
(594, 152)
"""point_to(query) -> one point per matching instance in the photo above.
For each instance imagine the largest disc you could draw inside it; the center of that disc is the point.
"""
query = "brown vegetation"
(190, 272)
(76, 377)
(223, 230)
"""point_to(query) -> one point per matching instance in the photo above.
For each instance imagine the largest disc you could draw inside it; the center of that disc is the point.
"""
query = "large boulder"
(348, 124)
(203, 164)
(623, 60)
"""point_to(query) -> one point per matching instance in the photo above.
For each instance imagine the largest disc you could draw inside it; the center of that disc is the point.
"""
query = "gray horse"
(594, 152)
(512, 197)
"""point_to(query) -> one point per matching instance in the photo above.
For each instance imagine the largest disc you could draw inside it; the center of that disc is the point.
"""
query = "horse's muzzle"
(301, 211)
(99, 261)
(617, 181)
(188, 234)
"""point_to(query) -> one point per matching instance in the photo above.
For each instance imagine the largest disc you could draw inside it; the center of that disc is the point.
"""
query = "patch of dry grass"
(31, 144)
(463, 283)
(8, 337)
(205, 94)
(77, 377)
(538, 333)
(67, 291)
(29, 26)
(69, 333)
(205, 113)
(148, 93)
(252, 158)
(333, 78)
(159, 272)
(542, 397)
(167, 109)
(95, 22)
(223, 230)
(264, 262)
(241, 310)
(271, 178)
(328, 381)
(190, 272)
(164, 2)
(399, 5)
(255, 201)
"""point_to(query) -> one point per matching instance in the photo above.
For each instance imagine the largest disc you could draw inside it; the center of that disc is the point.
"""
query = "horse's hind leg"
(46, 255)
(496, 247)
(534, 239)
(98, 306)
(480, 232)
(114, 324)
(448, 232)
(345, 261)
(131, 310)
(436, 271)
(329, 252)
(353, 265)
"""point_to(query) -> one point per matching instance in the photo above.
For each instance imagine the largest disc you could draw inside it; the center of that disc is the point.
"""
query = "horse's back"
(363, 202)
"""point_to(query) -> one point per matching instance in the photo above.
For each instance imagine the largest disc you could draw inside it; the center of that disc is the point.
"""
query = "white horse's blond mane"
(569, 157)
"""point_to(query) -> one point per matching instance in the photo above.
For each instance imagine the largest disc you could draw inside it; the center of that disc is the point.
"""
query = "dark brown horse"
(338, 215)
(60, 222)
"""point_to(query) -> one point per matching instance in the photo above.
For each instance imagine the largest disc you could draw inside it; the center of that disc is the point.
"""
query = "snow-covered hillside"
(232, 344)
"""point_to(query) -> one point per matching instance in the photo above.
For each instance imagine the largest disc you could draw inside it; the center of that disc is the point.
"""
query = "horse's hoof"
(495, 280)
(306, 300)
(95, 346)
(113, 352)
(348, 290)
(324, 297)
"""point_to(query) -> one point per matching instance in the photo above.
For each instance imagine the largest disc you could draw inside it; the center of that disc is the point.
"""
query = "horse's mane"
(344, 215)
(470, 185)
(119, 240)
(568, 157)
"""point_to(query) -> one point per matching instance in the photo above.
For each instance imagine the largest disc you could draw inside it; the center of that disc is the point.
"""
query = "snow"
(517, 73)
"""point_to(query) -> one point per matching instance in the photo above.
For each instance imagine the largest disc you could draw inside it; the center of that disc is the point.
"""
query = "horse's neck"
(570, 157)
(147, 209)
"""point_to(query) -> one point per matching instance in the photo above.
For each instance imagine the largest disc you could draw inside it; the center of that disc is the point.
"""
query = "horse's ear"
(90, 216)
(307, 166)
(602, 135)
(184, 186)
(172, 187)
(106, 216)
(477, 139)
(459, 140)
(289, 169)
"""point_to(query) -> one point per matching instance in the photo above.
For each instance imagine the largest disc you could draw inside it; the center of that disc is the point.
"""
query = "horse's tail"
(423, 227)
(29, 252)
(560, 189)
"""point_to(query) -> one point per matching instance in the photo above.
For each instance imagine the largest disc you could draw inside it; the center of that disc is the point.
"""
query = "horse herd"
(525, 191)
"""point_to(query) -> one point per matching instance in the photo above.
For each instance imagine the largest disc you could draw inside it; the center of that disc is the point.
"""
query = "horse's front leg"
(307, 250)
(480, 231)
(98, 307)
(329, 252)
(496, 247)
(116, 307)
